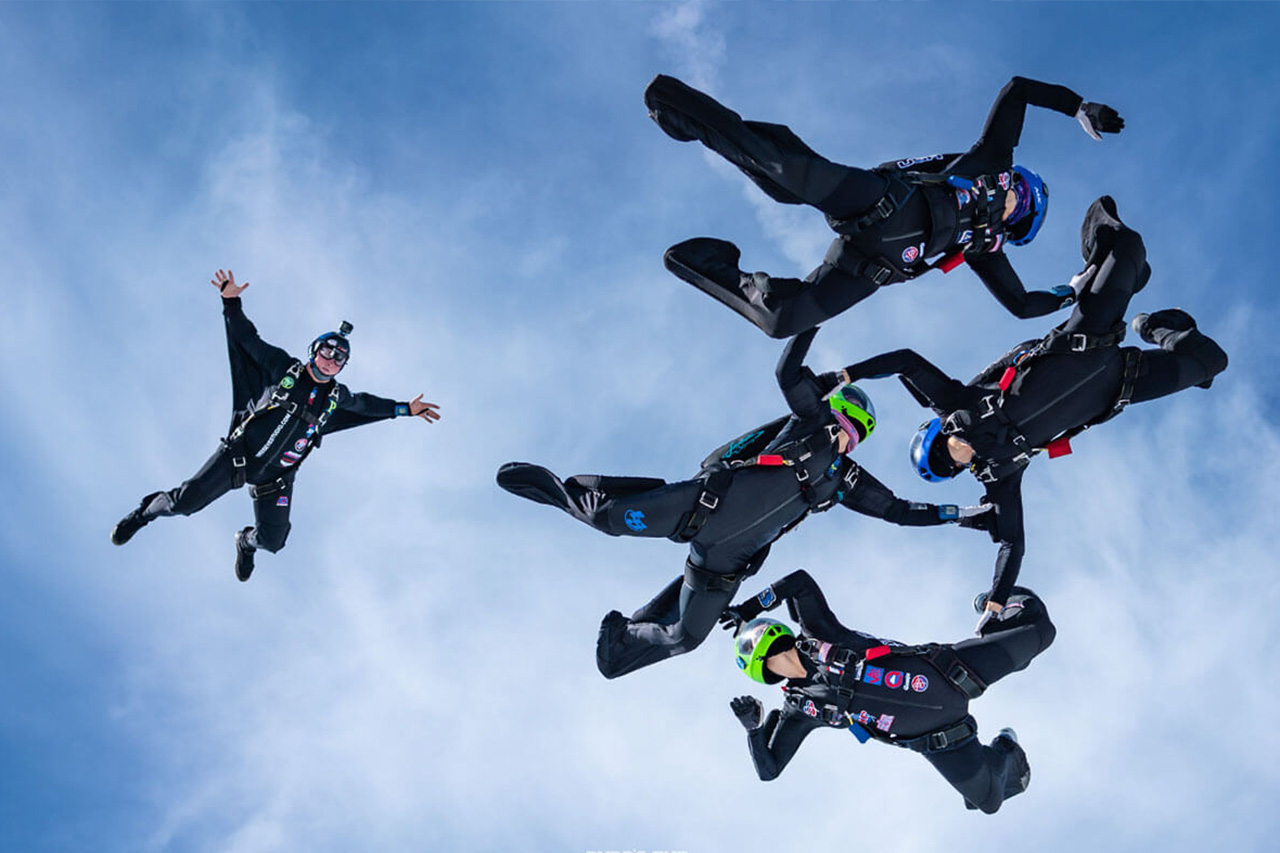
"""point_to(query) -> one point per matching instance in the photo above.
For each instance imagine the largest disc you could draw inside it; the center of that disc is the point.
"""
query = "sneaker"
(1019, 774)
(244, 554)
(1172, 320)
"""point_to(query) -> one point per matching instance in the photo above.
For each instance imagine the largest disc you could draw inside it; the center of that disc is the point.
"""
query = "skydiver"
(895, 222)
(1043, 392)
(915, 697)
(747, 494)
(283, 408)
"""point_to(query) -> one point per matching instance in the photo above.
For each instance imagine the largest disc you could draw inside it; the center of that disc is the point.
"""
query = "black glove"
(1097, 119)
(981, 517)
(748, 710)
(733, 617)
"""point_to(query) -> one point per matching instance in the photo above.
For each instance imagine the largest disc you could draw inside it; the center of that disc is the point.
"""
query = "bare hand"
(427, 411)
(225, 281)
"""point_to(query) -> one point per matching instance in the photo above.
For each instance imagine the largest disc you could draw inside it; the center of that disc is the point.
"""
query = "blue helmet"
(930, 456)
(337, 340)
(1033, 203)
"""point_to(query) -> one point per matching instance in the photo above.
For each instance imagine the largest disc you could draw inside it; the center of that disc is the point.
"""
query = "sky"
(478, 189)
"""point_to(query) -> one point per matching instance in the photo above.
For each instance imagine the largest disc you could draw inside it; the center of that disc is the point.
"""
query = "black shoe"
(1098, 231)
(706, 262)
(244, 554)
(613, 629)
(1018, 778)
(1154, 328)
(133, 522)
(534, 483)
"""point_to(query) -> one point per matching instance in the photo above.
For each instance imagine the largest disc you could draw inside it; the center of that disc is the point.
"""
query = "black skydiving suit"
(281, 413)
(891, 219)
(1076, 376)
(911, 696)
(729, 515)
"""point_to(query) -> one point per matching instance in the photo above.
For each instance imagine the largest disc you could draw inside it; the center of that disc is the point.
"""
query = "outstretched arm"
(1005, 496)
(871, 497)
(805, 603)
(803, 390)
(241, 332)
(995, 271)
(360, 409)
(929, 385)
(1003, 130)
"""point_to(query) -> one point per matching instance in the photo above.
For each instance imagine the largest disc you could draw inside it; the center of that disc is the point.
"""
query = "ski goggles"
(332, 352)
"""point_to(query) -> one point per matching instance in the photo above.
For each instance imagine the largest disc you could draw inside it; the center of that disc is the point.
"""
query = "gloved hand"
(731, 618)
(748, 710)
(1097, 119)
(981, 517)
(1065, 292)
(991, 611)
(1081, 279)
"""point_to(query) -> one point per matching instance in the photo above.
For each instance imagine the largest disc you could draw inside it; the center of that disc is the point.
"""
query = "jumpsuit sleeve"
(776, 740)
(271, 360)
(801, 388)
(929, 385)
(808, 606)
(871, 497)
(998, 275)
(359, 409)
(1000, 135)
(1006, 495)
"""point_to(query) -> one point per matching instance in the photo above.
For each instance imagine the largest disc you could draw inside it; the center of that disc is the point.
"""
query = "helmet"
(755, 641)
(853, 410)
(338, 340)
(930, 457)
(1033, 203)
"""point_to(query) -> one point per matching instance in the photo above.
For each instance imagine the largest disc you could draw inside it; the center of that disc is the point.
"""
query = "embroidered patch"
(885, 722)
(766, 597)
(635, 520)
(966, 236)
(283, 500)
(1003, 180)
(810, 708)
(864, 717)
(910, 254)
(919, 684)
(286, 383)
(962, 198)
(893, 679)
(872, 675)
(300, 445)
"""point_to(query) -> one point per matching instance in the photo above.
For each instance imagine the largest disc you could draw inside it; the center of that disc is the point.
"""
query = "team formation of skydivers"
(893, 223)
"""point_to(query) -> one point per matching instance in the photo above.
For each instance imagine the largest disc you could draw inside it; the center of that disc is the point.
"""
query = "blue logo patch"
(740, 443)
(741, 663)
(766, 598)
(635, 520)
(872, 675)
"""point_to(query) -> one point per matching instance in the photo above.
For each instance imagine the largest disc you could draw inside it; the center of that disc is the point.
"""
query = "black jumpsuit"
(753, 506)
(931, 218)
(897, 697)
(1051, 393)
(275, 440)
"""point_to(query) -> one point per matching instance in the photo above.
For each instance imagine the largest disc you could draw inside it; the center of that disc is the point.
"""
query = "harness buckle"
(986, 475)
(1079, 342)
(708, 500)
(238, 461)
(802, 474)
(950, 424)
(991, 407)
(881, 275)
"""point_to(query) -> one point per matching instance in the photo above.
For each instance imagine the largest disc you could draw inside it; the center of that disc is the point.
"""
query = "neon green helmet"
(752, 644)
(854, 411)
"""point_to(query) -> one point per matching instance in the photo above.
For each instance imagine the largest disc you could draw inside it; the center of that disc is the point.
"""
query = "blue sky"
(478, 189)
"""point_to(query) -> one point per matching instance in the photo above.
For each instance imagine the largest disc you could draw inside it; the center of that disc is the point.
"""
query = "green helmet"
(853, 411)
(752, 644)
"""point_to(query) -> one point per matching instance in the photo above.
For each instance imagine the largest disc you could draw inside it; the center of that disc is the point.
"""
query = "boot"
(1098, 234)
(133, 522)
(1018, 776)
(244, 554)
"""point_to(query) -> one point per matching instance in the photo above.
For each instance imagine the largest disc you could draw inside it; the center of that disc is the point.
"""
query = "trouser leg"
(1186, 356)
(984, 775)
(771, 155)
(1010, 643)
(619, 506)
(677, 620)
(211, 482)
(271, 506)
(1121, 260)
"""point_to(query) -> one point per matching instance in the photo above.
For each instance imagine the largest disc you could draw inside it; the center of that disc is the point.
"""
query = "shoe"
(244, 554)
(1008, 734)
(133, 522)
(1098, 231)
(980, 602)
(1019, 775)
(613, 629)
(1172, 320)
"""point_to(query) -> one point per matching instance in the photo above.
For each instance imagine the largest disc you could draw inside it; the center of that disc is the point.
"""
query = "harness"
(840, 668)
(1057, 341)
(279, 396)
(793, 454)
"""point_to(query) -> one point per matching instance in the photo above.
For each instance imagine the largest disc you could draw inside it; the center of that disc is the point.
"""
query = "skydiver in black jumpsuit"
(283, 407)
(1042, 392)
(729, 514)
(892, 220)
(911, 696)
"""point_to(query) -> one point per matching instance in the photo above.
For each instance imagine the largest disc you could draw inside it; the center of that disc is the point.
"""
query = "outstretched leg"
(214, 479)
(777, 160)
(780, 307)
(985, 776)
(619, 506)
(1186, 356)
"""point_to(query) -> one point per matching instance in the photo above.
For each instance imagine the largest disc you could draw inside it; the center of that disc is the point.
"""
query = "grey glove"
(748, 710)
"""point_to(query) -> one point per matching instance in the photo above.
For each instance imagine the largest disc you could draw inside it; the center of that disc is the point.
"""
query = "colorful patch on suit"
(300, 445)
(766, 597)
(333, 406)
(286, 383)
(1003, 180)
(872, 675)
(885, 722)
(962, 198)
(910, 254)
(810, 708)
(283, 500)
(919, 684)
(864, 717)
(966, 236)
(893, 679)
(635, 520)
